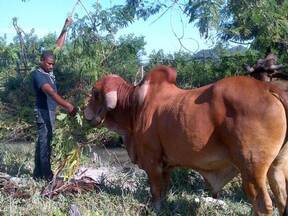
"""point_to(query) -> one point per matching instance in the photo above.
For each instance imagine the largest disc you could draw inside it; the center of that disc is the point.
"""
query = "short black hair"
(47, 54)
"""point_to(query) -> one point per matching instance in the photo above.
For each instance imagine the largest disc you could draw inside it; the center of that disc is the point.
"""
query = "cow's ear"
(94, 94)
(111, 100)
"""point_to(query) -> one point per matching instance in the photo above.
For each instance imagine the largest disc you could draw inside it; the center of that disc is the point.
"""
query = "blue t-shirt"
(43, 100)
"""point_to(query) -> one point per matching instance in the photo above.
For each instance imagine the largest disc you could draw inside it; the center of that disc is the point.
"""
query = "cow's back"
(282, 84)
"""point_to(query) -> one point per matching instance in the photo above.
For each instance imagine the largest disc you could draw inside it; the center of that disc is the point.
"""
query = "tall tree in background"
(260, 23)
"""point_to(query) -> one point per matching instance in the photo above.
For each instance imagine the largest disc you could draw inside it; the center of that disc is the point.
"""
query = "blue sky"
(48, 16)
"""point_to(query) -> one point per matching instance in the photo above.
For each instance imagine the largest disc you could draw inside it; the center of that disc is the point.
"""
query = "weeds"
(188, 194)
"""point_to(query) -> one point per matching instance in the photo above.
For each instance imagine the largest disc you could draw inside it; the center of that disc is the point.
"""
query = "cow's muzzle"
(95, 119)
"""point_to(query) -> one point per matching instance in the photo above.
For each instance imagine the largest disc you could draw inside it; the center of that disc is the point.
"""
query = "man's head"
(47, 60)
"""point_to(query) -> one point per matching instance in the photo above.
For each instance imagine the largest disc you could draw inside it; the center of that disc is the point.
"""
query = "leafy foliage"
(66, 146)
(262, 24)
(198, 70)
(206, 13)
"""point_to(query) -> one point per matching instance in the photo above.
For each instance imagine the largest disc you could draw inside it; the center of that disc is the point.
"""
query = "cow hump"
(160, 74)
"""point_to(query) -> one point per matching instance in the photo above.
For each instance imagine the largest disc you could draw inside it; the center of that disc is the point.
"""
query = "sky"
(48, 16)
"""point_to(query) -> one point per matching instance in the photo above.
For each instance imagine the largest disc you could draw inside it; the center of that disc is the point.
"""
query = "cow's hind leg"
(256, 190)
(254, 175)
(255, 150)
(278, 179)
(254, 172)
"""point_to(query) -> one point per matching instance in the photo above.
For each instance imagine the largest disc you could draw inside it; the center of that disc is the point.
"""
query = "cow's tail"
(282, 156)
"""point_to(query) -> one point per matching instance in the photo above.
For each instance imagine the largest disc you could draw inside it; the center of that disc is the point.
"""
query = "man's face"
(47, 64)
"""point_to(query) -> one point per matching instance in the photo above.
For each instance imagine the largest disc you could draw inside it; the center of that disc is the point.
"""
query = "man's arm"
(59, 100)
(61, 39)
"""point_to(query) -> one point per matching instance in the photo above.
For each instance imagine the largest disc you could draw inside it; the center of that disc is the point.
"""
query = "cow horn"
(111, 99)
(276, 67)
(249, 69)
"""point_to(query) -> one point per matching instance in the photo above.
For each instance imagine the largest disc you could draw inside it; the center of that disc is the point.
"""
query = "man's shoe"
(49, 178)
(37, 177)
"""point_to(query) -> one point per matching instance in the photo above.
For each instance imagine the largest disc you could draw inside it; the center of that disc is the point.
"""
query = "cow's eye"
(96, 95)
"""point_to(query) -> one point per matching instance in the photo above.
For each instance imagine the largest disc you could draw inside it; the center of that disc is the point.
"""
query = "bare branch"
(180, 38)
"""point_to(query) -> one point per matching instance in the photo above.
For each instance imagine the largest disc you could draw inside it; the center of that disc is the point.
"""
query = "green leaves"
(206, 14)
(263, 23)
(61, 116)
(66, 149)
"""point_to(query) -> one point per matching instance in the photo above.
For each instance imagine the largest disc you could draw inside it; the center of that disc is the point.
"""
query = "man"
(47, 100)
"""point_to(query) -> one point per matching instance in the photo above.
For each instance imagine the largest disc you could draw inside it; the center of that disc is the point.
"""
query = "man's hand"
(61, 38)
(68, 22)
(72, 110)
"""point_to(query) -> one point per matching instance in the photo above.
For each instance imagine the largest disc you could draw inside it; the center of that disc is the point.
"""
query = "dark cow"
(237, 124)
(269, 71)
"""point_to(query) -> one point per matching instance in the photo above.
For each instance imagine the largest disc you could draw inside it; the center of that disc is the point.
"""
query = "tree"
(260, 23)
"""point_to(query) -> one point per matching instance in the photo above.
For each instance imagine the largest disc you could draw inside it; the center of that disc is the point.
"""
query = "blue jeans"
(45, 120)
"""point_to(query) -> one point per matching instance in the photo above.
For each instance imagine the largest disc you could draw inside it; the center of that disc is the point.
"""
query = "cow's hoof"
(156, 205)
(215, 195)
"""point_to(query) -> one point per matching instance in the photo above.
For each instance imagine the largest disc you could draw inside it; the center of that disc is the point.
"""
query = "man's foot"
(37, 174)
(37, 177)
(49, 177)
(46, 178)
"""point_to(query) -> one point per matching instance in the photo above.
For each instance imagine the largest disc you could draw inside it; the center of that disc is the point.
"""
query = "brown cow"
(236, 124)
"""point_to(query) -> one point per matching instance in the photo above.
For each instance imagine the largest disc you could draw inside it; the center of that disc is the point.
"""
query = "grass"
(187, 196)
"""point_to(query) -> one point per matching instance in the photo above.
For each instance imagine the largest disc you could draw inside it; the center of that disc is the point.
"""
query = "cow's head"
(103, 99)
(265, 69)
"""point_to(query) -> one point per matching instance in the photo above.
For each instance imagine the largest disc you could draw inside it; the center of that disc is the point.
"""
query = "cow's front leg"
(159, 181)
(166, 180)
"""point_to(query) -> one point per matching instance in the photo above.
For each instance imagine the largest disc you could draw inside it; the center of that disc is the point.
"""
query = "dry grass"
(187, 196)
